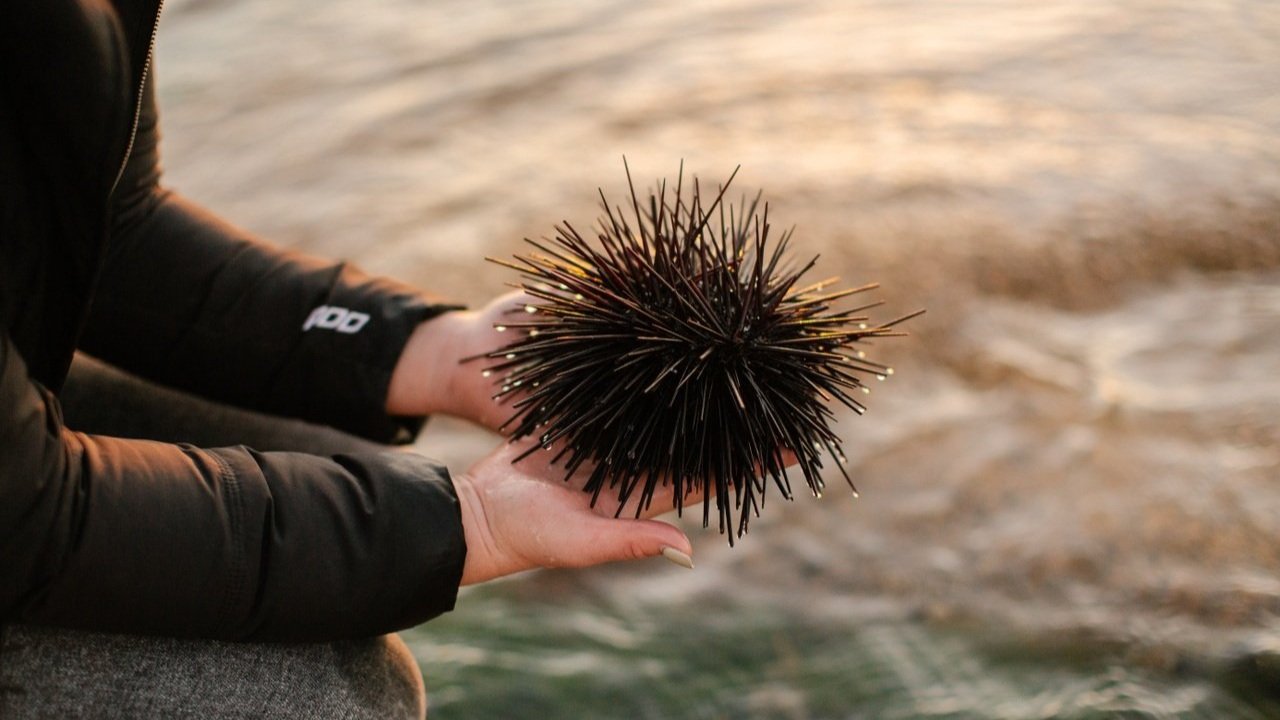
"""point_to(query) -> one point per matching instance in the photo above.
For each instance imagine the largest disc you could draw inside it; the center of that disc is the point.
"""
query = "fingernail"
(677, 557)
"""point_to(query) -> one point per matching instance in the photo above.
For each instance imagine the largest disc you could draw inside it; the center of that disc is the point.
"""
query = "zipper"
(137, 106)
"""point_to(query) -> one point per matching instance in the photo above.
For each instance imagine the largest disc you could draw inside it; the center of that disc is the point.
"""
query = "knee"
(383, 677)
(60, 673)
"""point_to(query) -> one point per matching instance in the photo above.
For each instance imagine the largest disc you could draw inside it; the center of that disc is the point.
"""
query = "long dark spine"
(678, 348)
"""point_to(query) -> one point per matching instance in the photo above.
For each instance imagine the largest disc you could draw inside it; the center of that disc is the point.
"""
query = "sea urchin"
(683, 350)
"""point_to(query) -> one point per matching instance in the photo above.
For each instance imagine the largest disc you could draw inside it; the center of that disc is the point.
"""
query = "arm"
(144, 537)
(193, 302)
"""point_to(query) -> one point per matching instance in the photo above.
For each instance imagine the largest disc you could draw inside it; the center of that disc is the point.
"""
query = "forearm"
(192, 302)
(230, 544)
(187, 299)
(143, 537)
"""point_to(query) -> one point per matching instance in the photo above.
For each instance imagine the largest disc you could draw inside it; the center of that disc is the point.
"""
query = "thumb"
(610, 540)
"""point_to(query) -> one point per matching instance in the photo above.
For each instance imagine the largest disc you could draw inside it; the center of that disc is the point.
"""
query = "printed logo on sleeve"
(327, 317)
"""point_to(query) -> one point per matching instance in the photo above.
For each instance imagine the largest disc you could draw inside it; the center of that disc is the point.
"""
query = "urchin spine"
(679, 349)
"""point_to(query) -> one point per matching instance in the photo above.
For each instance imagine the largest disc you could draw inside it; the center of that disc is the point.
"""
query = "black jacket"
(134, 536)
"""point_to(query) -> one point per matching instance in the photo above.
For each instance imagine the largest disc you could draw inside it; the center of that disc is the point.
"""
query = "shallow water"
(1070, 488)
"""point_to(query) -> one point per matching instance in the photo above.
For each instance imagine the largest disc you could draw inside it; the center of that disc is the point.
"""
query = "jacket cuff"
(349, 346)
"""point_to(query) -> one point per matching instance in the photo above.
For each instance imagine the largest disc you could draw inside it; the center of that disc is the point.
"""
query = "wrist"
(478, 566)
(424, 380)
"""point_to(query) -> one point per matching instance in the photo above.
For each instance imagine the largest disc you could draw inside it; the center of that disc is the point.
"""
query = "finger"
(664, 499)
(610, 540)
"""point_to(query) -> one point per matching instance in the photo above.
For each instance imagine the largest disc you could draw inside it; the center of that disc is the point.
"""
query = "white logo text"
(339, 319)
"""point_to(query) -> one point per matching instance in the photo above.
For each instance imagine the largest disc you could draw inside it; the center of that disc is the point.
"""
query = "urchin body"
(682, 348)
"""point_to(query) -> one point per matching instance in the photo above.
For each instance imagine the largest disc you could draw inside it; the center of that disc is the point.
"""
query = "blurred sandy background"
(1071, 487)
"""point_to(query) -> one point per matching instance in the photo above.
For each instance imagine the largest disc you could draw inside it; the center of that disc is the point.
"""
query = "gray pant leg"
(52, 673)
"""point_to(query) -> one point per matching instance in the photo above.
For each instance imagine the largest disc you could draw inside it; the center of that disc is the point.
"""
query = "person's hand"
(524, 515)
(430, 377)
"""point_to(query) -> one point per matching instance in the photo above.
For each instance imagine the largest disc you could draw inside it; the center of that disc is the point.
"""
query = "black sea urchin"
(681, 350)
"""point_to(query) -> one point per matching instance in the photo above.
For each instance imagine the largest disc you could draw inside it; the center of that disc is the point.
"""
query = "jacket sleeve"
(190, 301)
(143, 537)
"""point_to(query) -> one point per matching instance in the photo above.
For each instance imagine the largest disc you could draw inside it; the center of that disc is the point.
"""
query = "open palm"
(521, 516)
